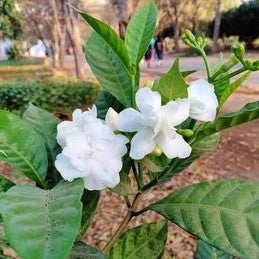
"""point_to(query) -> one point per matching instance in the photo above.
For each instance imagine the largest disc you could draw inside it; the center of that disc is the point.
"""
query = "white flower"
(155, 125)
(110, 118)
(90, 150)
(203, 100)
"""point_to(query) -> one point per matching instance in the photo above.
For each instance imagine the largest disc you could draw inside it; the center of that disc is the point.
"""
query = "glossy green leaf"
(231, 88)
(223, 213)
(186, 73)
(140, 31)
(5, 184)
(124, 187)
(109, 36)
(109, 69)
(45, 125)
(90, 201)
(42, 224)
(147, 241)
(105, 101)
(84, 251)
(247, 113)
(22, 147)
(207, 251)
(209, 143)
(222, 85)
(172, 85)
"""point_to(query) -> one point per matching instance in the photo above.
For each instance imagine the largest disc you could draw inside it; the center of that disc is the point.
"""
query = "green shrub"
(51, 95)
(14, 52)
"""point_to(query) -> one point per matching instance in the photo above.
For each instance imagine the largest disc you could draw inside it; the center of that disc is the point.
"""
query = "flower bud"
(110, 118)
(200, 41)
(149, 84)
(185, 132)
(157, 151)
(239, 51)
(249, 63)
(188, 43)
(230, 63)
(190, 36)
(256, 65)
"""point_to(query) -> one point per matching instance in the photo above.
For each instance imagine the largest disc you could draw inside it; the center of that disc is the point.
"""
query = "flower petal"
(174, 147)
(142, 144)
(129, 120)
(110, 118)
(175, 112)
(66, 169)
(148, 101)
(203, 100)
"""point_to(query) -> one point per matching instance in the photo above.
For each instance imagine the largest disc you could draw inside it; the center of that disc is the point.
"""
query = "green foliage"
(146, 240)
(49, 95)
(140, 32)
(45, 124)
(172, 85)
(22, 147)
(231, 88)
(247, 113)
(21, 62)
(5, 184)
(223, 213)
(207, 251)
(84, 251)
(242, 22)
(14, 52)
(90, 200)
(42, 224)
(109, 69)
(105, 101)
(10, 25)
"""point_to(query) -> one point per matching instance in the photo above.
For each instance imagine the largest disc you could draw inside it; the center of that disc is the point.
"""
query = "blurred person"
(159, 49)
(148, 56)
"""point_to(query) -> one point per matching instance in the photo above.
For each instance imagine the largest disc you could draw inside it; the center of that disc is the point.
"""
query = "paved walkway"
(186, 63)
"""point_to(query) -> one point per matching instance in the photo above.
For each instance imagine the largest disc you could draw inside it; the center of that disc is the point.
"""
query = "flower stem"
(136, 175)
(123, 224)
(243, 69)
(206, 61)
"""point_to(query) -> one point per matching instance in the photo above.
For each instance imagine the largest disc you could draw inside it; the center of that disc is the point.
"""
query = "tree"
(10, 25)
(216, 25)
(243, 22)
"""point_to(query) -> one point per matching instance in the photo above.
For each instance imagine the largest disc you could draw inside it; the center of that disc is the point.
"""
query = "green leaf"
(42, 224)
(221, 86)
(109, 69)
(223, 213)
(172, 85)
(140, 31)
(247, 113)
(22, 147)
(109, 36)
(105, 101)
(207, 251)
(90, 201)
(84, 251)
(124, 187)
(5, 184)
(231, 88)
(45, 125)
(147, 240)
(209, 143)
(187, 73)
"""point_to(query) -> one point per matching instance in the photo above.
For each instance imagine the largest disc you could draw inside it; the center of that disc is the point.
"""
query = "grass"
(22, 62)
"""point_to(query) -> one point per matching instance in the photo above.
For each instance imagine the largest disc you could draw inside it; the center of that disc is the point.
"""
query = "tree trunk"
(215, 46)
(176, 29)
(57, 35)
(123, 19)
(74, 36)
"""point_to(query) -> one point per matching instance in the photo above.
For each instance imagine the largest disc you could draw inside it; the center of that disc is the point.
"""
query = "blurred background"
(42, 60)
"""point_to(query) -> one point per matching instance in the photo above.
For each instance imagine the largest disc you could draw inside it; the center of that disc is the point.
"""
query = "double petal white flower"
(155, 125)
(91, 150)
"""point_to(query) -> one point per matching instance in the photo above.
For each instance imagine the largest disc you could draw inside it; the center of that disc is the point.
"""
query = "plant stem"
(123, 224)
(206, 61)
(243, 69)
(134, 169)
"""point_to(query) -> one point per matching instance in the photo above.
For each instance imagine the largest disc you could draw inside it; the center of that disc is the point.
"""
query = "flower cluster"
(93, 151)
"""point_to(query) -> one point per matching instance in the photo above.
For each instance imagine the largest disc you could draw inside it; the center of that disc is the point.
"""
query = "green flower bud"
(157, 151)
(256, 65)
(239, 51)
(249, 63)
(188, 43)
(200, 41)
(185, 132)
(190, 36)
(149, 84)
(230, 63)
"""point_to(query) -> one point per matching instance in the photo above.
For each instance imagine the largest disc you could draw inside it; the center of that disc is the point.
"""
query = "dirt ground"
(236, 157)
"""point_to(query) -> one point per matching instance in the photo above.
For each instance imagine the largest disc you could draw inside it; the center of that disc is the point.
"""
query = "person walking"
(148, 56)
(159, 49)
